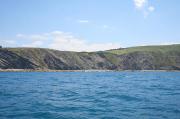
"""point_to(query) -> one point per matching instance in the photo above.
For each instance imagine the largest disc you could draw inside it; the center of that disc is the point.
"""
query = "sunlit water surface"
(90, 95)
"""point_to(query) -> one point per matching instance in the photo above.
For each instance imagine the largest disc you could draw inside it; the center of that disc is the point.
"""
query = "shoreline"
(91, 70)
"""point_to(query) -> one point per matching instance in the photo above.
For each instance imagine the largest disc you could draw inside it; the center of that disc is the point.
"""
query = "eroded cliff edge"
(135, 58)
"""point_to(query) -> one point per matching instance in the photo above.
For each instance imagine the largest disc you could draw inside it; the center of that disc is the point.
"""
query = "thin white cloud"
(20, 35)
(139, 4)
(6, 43)
(31, 37)
(151, 8)
(65, 41)
(33, 44)
(10, 42)
(144, 7)
(105, 26)
(83, 21)
(169, 43)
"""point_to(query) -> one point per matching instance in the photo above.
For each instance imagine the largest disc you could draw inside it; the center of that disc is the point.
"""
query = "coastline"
(90, 70)
(49, 70)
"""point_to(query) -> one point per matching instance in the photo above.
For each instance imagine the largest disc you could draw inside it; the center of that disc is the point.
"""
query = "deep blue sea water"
(90, 95)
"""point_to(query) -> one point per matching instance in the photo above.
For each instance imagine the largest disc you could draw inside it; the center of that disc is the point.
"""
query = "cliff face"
(165, 57)
(138, 58)
(11, 60)
(51, 59)
(150, 61)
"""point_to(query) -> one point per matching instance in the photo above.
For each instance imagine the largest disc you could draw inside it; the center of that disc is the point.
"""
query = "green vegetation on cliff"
(161, 48)
(165, 57)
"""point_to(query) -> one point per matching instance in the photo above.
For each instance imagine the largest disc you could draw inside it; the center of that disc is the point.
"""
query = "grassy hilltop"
(165, 57)
(162, 57)
(157, 48)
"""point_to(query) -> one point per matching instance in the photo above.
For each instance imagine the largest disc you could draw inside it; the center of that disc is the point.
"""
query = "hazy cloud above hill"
(64, 41)
(94, 25)
(83, 21)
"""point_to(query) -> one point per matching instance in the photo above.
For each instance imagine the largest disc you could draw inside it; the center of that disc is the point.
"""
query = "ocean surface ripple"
(90, 95)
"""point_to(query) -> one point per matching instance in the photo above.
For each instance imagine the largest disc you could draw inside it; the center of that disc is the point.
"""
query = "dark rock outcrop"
(11, 60)
(38, 58)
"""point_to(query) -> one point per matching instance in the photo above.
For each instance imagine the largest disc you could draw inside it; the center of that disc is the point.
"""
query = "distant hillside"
(157, 48)
(161, 57)
(135, 58)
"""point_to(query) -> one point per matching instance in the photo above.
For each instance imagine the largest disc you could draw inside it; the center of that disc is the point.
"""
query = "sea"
(90, 95)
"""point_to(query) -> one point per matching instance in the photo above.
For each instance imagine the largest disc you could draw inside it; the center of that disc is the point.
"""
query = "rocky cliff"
(135, 58)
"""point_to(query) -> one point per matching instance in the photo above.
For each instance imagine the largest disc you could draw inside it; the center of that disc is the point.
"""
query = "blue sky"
(88, 25)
